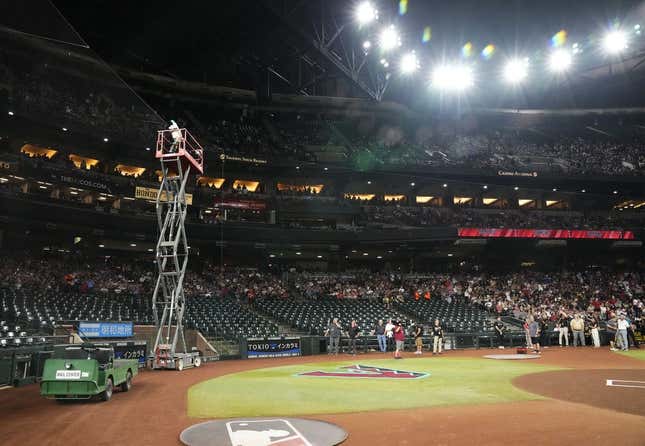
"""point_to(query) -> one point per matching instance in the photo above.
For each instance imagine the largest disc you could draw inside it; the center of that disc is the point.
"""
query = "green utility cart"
(81, 371)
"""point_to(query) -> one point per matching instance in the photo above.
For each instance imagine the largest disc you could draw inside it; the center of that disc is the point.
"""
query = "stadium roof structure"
(318, 48)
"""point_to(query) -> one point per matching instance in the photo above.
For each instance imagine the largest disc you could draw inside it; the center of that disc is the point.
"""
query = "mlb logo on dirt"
(366, 371)
(265, 433)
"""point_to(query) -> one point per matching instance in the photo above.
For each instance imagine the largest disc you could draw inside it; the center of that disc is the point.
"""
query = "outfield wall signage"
(131, 350)
(272, 347)
(148, 193)
(105, 329)
(545, 234)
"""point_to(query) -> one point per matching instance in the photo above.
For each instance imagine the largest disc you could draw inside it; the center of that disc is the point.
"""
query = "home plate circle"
(263, 432)
(512, 356)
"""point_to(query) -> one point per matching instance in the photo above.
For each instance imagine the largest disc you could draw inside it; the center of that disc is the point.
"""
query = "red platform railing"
(179, 142)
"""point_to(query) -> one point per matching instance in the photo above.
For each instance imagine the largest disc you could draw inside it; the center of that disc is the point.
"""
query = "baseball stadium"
(322, 222)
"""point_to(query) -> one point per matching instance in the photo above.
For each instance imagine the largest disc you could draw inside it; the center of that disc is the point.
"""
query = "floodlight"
(409, 63)
(367, 45)
(560, 60)
(452, 77)
(614, 42)
(366, 13)
(389, 38)
(516, 70)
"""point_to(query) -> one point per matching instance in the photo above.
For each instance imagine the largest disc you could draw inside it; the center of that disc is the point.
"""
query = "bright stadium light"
(614, 42)
(409, 63)
(389, 38)
(366, 13)
(516, 70)
(452, 77)
(560, 60)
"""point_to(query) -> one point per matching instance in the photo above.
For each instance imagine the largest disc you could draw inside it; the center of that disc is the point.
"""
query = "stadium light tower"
(409, 63)
(516, 70)
(614, 42)
(366, 13)
(560, 60)
(455, 78)
(389, 38)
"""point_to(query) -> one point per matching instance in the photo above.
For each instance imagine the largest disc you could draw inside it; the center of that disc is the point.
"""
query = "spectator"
(379, 330)
(622, 326)
(578, 330)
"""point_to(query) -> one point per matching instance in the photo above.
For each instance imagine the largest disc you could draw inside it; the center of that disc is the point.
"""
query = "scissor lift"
(180, 155)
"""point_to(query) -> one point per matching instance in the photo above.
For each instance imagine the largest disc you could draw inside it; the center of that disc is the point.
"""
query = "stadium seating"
(37, 313)
(313, 316)
(456, 316)
(225, 318)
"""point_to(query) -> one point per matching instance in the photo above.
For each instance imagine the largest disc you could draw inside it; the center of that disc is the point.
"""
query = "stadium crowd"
(512, 294)
(41, 88)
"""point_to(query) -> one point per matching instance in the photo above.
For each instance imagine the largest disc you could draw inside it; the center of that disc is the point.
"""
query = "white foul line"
(612, 383)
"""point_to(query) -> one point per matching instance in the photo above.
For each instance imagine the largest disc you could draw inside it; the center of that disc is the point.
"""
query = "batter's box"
(626, 383)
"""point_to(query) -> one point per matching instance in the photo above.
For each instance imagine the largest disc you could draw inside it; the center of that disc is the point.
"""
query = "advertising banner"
(131, 350)
(272, 347)
(545, 233)
(148, 193)
(89, 183)
(105, 329)
(253, 205)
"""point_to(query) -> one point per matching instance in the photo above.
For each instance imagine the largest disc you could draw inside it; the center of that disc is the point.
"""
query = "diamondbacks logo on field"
(365, 371)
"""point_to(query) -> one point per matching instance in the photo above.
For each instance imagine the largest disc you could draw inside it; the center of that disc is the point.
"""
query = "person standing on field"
(595, 334)
(389, 333)
(578, 329)
(399, 339)
(352, 332)
(379, 331)
(418, 339)
(437, 337)
(499, 331)
(563, 329)
(333, 331)
(621, 333)
(534, 333)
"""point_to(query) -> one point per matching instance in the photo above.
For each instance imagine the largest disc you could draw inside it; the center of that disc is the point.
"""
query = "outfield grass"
(636, 354)
(277, 391)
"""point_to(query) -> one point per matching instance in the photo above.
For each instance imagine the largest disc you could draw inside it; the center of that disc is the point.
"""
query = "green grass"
(276, 391)
(636, 354)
